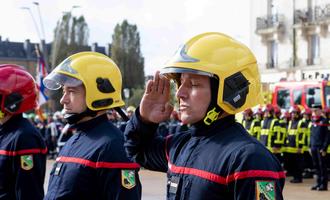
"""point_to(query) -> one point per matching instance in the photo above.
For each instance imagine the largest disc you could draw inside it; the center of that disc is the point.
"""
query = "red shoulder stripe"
(23, 152)
(197, 172)
(110, 165)
(226, 180)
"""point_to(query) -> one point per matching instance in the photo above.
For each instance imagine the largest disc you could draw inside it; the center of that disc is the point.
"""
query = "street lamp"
(40, 20)
(72, 8)
(75, 6)
(34, 21)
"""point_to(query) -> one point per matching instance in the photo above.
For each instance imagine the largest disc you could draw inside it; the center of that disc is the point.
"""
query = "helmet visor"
(173, 72)
(55, 81)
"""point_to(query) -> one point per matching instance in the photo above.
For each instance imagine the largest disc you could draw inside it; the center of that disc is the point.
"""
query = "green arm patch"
(128, 178)
(265, 190)
(27, 162)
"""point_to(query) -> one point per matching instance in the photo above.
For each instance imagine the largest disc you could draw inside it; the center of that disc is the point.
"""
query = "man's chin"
(67, 111)
(184, 119)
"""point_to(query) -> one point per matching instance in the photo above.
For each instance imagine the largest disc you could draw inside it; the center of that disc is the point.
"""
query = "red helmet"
(285, 115)
(295, 109)
(277, 111)
(269, 108)
(17, 90)
(248, 112)
(306, 111)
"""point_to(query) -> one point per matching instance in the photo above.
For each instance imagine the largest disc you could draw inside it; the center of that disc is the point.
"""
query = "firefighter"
(319, 145)
(247, 120)
(327, 116)
(307, 159)
(294, 144)
(258, 117)
(92, 164)
(22, 148)
(216, 158)
(285, 118)
(277, 112)
(283, 128)
(271, 135)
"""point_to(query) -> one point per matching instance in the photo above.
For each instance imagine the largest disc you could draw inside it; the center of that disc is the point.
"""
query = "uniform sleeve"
(326, 136)
(301, 133)
(277, 134)
(29, 167)
(121, 181)
(256, 173)
(143, 146)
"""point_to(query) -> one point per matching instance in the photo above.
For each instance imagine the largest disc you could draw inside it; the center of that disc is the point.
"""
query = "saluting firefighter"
(215, 158)
(22, 148)
(92, 164)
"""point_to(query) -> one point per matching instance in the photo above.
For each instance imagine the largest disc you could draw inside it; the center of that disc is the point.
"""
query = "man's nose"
(64, 99)
(181, 92)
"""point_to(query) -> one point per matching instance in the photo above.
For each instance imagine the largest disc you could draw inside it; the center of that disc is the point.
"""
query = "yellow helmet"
(97, 72)
(229, 61)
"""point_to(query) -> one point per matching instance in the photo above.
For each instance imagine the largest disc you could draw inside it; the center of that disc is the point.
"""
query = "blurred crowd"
(292, 135)
(56, 131)
(286, 133)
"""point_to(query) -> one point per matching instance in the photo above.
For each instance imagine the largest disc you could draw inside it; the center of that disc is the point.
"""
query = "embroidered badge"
(265, 190)
(27, 162)
(128, 178)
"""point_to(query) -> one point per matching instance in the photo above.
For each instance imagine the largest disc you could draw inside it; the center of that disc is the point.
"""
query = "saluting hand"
(155, 106)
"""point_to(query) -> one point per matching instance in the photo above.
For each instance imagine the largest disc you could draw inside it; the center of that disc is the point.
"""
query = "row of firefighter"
(287, 134)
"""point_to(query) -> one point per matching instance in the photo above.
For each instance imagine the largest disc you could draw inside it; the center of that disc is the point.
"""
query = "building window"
(283, 98)
(313, 97)
(297, 97)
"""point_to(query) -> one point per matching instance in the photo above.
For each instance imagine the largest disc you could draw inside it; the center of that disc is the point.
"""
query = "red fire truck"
(305, 93)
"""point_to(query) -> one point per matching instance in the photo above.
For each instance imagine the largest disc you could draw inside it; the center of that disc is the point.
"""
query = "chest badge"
(27, 162)
(128, 178)
(265, 190)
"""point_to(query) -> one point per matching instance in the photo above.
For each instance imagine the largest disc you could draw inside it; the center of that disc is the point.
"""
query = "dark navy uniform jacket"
(220, 162)
(319, 135)
(93, 165)
(22, 160)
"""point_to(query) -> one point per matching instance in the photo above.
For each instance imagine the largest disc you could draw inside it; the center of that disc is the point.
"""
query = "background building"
(24, 53)
(291, 39)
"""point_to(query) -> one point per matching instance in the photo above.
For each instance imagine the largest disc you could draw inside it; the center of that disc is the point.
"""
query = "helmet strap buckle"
(2, 115)
(211, 116)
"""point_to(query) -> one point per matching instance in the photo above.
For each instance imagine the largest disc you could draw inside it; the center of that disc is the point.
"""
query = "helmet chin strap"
(2, 114)
(73, 118)
(213, 111)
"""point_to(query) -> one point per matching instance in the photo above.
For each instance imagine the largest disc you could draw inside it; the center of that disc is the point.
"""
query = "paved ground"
(154, 185)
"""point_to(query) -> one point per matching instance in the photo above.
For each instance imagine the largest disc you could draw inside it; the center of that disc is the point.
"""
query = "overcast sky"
(163, 25)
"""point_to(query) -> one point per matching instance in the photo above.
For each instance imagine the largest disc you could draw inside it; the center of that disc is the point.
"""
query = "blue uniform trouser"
(295, 165)
(319, 162)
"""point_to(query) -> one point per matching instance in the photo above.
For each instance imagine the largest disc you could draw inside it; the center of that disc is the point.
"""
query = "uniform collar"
(11, 123)
(87, 125)
(220, 124)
